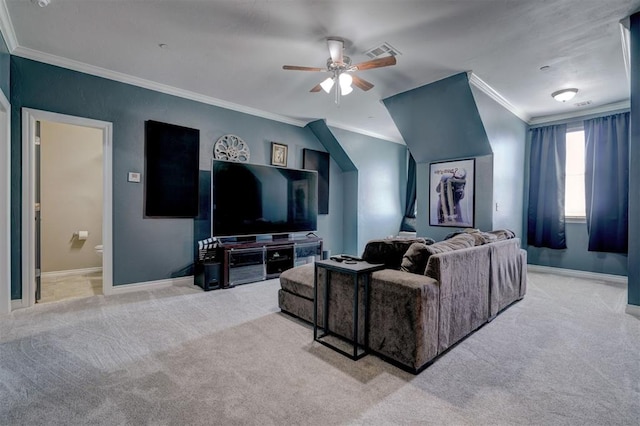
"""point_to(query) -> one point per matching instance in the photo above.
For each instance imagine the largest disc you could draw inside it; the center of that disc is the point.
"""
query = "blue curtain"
(607, 182)
(547, 162)
(409, 219)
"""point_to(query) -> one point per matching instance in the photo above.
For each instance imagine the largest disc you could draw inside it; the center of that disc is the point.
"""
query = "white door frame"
(29, 118)
(5, 213)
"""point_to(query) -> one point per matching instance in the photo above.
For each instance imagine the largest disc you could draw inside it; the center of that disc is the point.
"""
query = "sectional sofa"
(430, 295)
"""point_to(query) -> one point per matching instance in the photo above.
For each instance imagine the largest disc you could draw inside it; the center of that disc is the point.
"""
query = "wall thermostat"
(134, 177)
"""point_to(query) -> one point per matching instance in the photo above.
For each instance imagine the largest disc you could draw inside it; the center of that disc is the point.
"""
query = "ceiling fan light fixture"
(345, 83)
(564, 95)
(327, 84)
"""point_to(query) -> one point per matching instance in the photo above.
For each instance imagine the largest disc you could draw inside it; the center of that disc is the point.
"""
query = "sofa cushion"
(298, 280)
(416, 257)
(390, 251)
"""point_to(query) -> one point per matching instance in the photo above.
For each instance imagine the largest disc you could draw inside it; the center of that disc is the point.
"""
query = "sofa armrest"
(403, 317)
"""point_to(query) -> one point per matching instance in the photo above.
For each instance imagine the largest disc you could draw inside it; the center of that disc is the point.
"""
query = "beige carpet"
(567, 354)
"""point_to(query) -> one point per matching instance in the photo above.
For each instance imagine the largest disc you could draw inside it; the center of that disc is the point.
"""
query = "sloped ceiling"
(440, 120)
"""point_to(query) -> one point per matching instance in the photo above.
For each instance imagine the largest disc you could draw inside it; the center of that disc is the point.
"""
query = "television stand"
(280, 237)
(246, 262)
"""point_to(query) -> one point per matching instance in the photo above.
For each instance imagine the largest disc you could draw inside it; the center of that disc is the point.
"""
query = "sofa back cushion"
(417, 255)
(390, 250)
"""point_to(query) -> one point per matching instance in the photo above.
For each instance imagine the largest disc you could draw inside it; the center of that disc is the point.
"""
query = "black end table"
(357, 269)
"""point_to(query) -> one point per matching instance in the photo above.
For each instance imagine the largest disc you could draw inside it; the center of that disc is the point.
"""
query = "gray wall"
(146, 249)
(507, 136)
(5, 82)
(634, 172)
(381, 183)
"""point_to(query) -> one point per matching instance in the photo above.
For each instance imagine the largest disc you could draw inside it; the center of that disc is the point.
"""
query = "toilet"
(98, 249)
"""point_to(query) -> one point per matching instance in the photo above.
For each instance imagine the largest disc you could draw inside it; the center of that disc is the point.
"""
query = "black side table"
(356, 270)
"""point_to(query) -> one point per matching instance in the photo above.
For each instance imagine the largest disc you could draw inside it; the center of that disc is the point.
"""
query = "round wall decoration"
(231, 148)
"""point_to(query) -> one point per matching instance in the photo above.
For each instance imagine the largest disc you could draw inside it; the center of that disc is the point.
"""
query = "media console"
(245, 262)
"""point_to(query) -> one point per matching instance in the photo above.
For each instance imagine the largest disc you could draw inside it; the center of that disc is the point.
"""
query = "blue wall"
(4, 67)
(634, 172)
(576, 256)
(148, 249)
(382, 179)
(155, 249)
(507, 136)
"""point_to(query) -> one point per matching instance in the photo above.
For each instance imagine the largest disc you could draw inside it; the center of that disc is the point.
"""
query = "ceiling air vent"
(582, 104)
(383, 50)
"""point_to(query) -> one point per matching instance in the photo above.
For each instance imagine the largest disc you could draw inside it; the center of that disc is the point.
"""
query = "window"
(574, 204)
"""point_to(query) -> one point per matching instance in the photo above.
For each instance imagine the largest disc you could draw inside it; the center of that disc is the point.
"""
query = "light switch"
(134, 177)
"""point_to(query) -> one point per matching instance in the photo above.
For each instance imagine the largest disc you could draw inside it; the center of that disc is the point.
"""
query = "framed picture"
(278, 154)
(452, 193)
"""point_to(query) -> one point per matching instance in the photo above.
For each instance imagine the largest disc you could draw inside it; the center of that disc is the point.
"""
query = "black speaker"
(208, 276)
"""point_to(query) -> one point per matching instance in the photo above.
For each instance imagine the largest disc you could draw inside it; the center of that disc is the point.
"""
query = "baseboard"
(633, 310)
(17, 304)
(620, 279)
(71, 272)
(149, 285)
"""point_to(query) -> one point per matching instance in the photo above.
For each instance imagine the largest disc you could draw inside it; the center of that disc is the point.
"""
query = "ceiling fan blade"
(297, 68)
(361, 83)
(376, 63)
(336, 46)
(316, 88)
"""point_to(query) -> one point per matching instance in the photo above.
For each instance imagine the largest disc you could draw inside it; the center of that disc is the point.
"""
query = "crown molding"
(170, 90)
(616, 106)
(6, 27)
(493, 94)
(148, 84)
(365, 132)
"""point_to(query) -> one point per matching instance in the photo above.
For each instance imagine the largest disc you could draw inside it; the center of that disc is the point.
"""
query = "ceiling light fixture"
(42, 3)
(345, 84)
(564, 95)
(327, 84)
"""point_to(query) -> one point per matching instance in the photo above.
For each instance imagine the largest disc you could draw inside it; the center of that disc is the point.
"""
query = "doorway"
(60, 230)
(69, 221)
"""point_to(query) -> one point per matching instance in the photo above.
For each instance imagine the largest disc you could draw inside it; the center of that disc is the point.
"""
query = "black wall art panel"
(171, 170)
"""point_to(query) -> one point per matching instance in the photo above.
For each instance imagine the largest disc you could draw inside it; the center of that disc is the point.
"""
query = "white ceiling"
(231, 52)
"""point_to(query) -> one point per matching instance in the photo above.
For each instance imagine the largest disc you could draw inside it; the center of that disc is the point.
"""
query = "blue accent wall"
(5, 59)
(147, 249)
(634, 172)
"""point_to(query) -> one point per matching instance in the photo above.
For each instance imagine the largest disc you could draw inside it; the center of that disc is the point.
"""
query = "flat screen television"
(250, 199)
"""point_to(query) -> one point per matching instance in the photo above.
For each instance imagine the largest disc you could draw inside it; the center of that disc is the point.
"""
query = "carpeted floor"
(565, 355)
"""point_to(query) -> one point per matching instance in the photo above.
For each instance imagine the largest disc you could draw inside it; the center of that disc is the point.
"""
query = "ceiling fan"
(339, 65)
